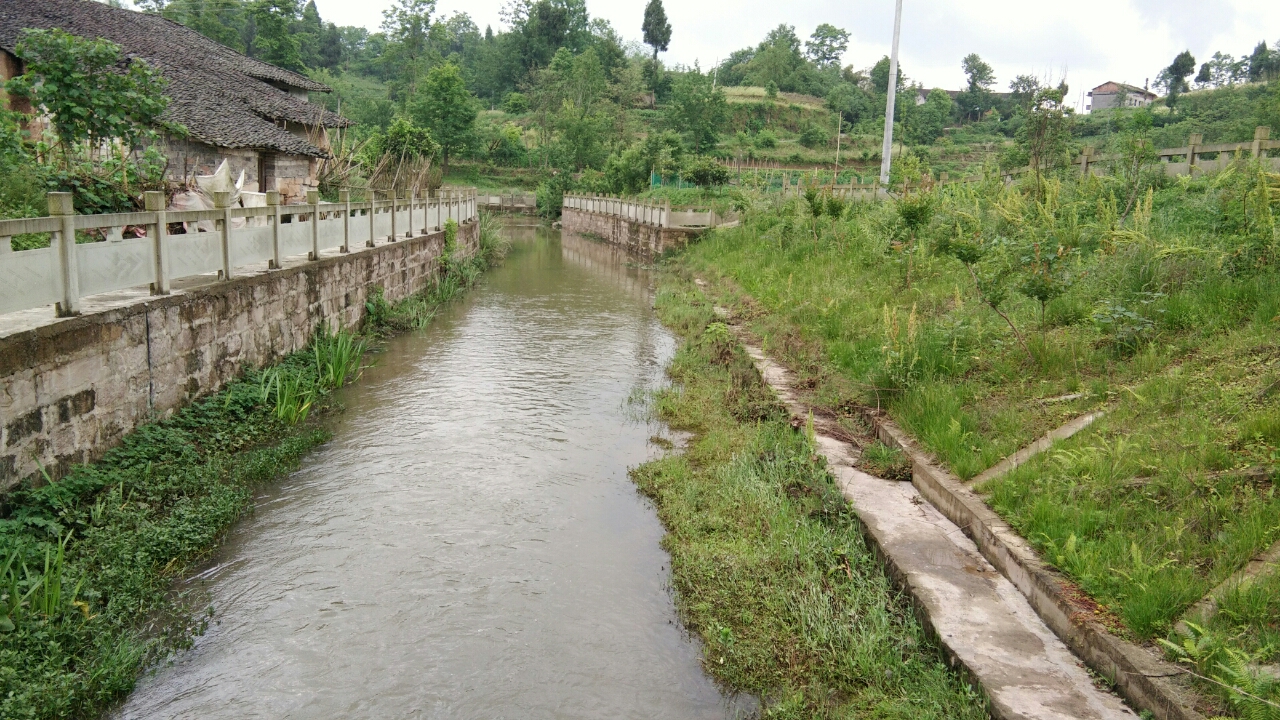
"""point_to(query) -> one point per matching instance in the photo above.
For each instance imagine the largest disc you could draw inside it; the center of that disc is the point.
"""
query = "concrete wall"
(71, 389)
(637, 238)
(292, 175)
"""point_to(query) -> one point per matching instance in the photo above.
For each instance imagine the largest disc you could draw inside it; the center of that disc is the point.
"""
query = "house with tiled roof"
(1110, 95)
(254, 115)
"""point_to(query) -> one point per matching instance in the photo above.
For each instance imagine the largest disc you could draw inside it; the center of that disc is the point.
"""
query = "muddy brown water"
(468, 545)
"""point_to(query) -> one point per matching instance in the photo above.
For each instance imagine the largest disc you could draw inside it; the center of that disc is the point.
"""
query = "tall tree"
(976, 98)
(1174, 77)
(656, 29)
(980, 75)
(274, 41)
(826, 45)
(407, 25)
(1023, 90)
(446, 108)
(1258, 62)
(698, 110)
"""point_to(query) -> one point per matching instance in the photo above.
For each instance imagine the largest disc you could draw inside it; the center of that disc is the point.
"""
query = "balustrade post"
(313, 199)
(61, 205)
(373, 205)
(344, 197)
(273, 202)
(222, 201)
(154, 201)
(413, 199)
(1260, 134)
(1193, 149)
(393, 193)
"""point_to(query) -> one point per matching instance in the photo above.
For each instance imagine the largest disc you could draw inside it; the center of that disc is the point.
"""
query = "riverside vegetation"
(88, 563)
(981, 316)
(769, 564)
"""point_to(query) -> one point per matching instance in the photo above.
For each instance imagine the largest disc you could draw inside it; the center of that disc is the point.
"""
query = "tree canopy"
(656, 29)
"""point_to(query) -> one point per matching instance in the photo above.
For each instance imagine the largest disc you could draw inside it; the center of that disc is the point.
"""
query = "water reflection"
(468, 545)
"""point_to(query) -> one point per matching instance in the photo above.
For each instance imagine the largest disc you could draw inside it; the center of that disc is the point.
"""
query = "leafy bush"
(705, 172)
(813, 137)
(516, 104)
(766, 140)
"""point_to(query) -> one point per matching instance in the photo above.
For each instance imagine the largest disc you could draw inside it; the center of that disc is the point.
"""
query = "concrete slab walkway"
(981, 618)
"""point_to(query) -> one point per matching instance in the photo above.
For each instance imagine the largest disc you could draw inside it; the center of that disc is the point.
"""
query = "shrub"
(704, 171)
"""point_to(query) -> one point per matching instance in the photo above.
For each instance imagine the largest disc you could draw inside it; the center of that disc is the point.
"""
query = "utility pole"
(887, 149)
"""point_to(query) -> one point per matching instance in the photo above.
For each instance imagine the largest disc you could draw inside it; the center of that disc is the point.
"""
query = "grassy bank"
(768, 563)
(981, 317)
(87, 563)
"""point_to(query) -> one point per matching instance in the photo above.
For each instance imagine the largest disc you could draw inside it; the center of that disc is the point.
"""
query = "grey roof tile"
(222, 97)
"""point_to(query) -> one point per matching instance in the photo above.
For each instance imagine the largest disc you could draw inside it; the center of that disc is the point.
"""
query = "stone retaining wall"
(638, 238)
(71, 389)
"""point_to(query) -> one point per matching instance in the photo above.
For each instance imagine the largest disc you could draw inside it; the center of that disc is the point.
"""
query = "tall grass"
(770, 568)
(1167, 318)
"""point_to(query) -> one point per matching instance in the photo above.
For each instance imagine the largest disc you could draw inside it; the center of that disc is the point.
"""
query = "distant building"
(255, 116)
(1110, 95)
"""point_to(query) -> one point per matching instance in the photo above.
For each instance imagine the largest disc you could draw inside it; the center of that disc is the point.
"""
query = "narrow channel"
(468, 545)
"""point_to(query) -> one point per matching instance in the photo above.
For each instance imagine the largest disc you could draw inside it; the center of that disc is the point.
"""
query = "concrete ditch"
(986, 625)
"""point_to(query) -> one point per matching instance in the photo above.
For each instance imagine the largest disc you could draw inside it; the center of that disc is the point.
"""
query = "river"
(468, 544)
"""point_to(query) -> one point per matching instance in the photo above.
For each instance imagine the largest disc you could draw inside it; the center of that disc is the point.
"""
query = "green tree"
(1046, 135)
(976, 98)
(406, 26)
(880, 76)
(826, 45)
(931, 118)
(89, 90)
(1259, 62)
(1023, 90)
(447, 109)
(698, 110)
(274, 41)
(1174, 77)
(656, 29)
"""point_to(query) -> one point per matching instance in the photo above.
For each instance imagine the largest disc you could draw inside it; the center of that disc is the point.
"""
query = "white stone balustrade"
(65, 271)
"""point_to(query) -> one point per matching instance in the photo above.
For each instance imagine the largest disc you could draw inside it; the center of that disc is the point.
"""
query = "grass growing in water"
(87, 563)
(770, 567)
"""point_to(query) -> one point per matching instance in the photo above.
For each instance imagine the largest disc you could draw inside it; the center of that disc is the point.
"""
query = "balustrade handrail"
(222, 240)
(649, 212)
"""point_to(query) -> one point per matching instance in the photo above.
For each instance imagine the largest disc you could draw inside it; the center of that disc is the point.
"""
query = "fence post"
(666, 213)
(154, 201)
(61, 205)
(1193, 147)
(344, 197)
(373, 203)
(273, 202)
(222, 201)
(1260, 134)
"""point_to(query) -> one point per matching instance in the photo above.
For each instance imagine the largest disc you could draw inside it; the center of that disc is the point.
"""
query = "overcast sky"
(1090, 41)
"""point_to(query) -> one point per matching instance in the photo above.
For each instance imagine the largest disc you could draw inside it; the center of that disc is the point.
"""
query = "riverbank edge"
(785, 691)
(1138, 673)
(118, 650)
